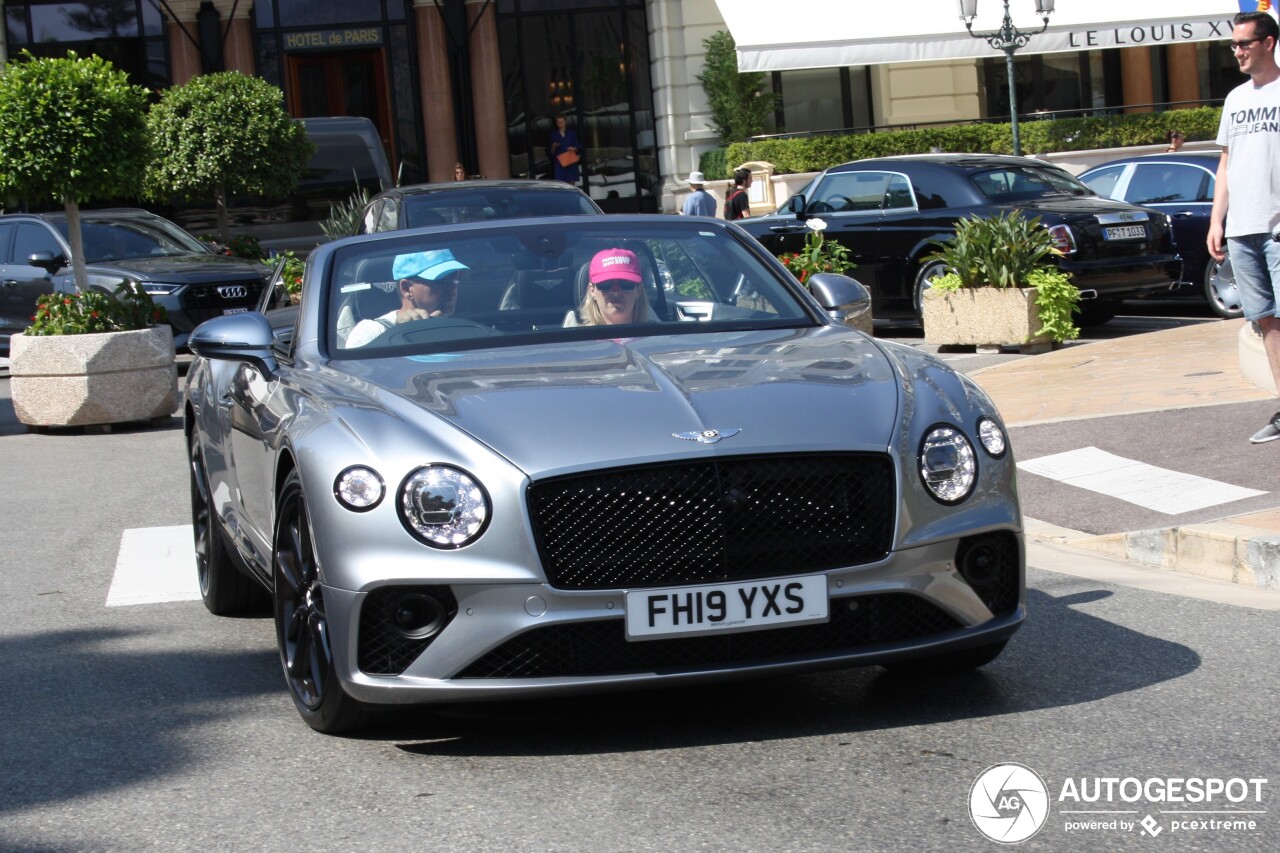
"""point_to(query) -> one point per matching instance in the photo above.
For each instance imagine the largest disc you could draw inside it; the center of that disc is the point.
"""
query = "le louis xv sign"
(1139, 35)
(330, 39)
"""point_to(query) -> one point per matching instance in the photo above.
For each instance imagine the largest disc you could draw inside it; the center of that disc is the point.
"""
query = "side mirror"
(47, 261)
(796, 204)
(841, 296)
(243, 337)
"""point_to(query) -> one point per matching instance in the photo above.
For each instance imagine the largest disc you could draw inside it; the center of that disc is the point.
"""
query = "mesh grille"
(203, 301)
(731, 519)
(382, 649)
(601, 648)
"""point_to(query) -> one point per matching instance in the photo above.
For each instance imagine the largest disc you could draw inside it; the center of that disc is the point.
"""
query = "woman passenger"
(615, 293)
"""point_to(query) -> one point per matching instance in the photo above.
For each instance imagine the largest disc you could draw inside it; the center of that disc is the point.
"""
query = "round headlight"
(947, 464)
(992, 437)
(443, 506)
(359, 489)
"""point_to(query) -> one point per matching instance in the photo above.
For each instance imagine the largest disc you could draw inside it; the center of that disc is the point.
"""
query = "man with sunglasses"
(1249, 183)
(428, 286)
(615, 293)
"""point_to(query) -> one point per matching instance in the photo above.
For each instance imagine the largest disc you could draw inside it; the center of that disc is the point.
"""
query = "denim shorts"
(1255, 260)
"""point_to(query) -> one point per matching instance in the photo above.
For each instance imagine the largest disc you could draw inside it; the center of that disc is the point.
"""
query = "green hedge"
(815, 153)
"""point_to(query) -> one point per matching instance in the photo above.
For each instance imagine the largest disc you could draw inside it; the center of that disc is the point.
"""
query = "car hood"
(179, 269)
(587, 404)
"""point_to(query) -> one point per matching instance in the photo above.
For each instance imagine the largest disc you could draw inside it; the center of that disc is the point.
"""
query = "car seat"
(373, 294)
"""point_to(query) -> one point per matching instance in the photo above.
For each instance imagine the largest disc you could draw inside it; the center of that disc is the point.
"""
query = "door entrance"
(351, 83)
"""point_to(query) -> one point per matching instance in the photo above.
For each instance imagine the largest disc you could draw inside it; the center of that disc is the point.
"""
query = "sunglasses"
(1243, 44)
(627, 286)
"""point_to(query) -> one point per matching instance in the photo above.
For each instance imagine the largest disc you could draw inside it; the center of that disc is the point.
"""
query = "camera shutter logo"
(1009, 803)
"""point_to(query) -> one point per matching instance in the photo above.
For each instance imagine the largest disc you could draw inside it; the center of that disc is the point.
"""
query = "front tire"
(224, 590)
(302, 626)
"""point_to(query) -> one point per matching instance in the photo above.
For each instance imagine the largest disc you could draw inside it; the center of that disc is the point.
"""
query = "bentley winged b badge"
(707, 436)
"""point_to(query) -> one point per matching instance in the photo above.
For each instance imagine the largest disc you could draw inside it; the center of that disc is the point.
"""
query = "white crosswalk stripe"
(1159, 489)
(155, 564)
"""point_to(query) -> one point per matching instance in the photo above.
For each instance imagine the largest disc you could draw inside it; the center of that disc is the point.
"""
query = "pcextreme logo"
(1010, 803)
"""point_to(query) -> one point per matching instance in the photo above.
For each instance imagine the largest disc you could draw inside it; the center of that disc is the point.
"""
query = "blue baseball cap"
(427, 266)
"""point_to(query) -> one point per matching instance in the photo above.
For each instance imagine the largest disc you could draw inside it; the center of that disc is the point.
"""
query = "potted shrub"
(1002, 288)
(94, 358)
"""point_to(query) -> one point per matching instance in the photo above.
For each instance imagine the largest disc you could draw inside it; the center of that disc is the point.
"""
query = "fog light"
(979, 564)
(992, 437)
(417, 616)
(359, 489)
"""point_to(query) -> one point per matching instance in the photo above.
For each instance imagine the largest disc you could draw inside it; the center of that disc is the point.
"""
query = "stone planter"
(984, 317)
(80, 380)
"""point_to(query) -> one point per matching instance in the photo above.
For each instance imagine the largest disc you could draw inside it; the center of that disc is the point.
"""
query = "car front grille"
(710, 521)
(601, 648)
(203, 302)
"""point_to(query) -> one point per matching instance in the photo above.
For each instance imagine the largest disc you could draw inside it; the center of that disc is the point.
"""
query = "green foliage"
(292, 272)
(71, 130)
(225, 132)
(818, 255)
(344, 216)
(93, 311)
(815, 153)
(1056, 300)
(714, 164)
(740, 108)
(996, 251)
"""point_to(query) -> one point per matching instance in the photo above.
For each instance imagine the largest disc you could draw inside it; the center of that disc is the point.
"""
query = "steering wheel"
(431, 331)
(819, 207)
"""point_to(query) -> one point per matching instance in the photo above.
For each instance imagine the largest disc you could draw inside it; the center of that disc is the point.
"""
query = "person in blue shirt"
(699, 202)
(564, 139)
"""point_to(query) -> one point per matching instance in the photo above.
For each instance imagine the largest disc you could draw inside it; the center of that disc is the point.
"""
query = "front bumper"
(526, 639)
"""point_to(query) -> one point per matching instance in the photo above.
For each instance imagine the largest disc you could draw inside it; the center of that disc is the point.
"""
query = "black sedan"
(890, 211)
(1180, 186)
(181, 273)
(456, 202)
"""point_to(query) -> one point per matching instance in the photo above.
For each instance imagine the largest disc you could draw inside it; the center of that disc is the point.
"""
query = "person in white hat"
(700, 202)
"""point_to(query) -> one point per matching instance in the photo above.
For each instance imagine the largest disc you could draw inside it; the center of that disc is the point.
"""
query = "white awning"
(773, 35)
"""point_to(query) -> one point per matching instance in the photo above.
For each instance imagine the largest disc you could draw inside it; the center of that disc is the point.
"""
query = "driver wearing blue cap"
(428, 283)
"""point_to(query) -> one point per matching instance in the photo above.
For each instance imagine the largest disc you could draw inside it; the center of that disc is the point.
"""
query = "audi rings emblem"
(233, 291)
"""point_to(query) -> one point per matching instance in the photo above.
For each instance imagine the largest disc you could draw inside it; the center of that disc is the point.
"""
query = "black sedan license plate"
(709, 609)
(1125, 232)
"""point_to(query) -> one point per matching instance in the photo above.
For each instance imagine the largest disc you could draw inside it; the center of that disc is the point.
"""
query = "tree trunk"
(77, 244)
(224, 227)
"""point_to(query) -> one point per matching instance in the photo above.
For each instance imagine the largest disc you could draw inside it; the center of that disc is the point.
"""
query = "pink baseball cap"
(614, 264)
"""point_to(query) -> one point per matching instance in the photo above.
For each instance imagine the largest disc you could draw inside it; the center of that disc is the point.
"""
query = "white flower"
(816, 224)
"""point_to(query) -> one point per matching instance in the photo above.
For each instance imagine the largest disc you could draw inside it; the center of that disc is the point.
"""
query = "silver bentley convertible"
(529, 457)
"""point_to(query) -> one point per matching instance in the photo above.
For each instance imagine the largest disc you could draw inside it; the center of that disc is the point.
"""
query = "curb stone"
(1218, 550)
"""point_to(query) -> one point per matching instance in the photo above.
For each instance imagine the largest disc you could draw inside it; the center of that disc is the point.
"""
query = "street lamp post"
(1008, 38)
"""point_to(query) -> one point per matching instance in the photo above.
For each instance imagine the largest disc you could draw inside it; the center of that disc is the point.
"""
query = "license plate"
(235, 311)
(710, 609)
(1125, 232)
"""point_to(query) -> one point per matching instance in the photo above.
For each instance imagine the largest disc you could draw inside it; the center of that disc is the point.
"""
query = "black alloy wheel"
(302, 626)
(225, 590)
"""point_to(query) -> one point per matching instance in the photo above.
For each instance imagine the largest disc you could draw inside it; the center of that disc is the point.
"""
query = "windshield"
(457, 206)
(1024, 183)
(520, 284)
(118, 239)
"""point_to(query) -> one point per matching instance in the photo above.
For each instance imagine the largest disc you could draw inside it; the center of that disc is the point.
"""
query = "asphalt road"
(160, 727)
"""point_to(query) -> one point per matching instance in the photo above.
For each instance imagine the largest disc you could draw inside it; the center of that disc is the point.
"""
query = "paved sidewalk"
(1189, 367)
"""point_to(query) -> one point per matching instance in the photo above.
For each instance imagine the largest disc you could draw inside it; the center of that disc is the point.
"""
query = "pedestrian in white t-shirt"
(1249, 184)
